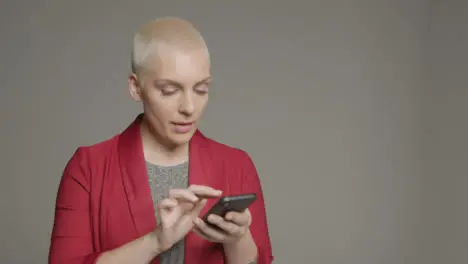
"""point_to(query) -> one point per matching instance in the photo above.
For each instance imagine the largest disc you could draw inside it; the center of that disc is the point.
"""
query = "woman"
(138, 197)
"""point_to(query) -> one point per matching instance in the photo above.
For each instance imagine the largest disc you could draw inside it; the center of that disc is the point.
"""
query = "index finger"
(204, 192)
(183, 194)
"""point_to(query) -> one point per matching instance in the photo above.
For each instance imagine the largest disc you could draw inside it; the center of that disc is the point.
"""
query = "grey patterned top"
(161, 180)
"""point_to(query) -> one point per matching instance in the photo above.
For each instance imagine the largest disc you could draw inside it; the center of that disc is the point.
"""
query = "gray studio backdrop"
(354, 111)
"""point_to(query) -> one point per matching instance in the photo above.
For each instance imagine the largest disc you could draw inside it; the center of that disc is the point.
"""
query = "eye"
(168, 89)
(202, 89)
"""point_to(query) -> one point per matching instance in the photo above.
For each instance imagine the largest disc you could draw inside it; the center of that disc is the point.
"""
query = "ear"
(134, 87)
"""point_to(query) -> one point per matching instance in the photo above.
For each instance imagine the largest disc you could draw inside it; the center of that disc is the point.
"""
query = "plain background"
(354, 111)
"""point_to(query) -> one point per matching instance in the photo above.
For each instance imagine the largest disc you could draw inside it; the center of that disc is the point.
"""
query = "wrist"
(154, 243)
(241, 250)
(246, 238)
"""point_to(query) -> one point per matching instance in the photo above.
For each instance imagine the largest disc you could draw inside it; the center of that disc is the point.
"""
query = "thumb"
(167, 205)
(168, 210)
(198, 207)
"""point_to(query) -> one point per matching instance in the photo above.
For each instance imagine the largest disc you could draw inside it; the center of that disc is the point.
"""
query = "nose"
(187, 106)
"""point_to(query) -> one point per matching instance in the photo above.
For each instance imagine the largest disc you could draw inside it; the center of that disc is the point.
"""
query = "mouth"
(183, 127)
(183, 123)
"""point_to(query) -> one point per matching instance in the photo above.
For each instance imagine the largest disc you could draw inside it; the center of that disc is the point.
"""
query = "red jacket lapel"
(198, 159)
(135, 178)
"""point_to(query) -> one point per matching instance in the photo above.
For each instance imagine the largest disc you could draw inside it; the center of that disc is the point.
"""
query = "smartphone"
(237, 203)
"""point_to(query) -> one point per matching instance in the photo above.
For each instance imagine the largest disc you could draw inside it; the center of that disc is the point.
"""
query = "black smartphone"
(236, 203)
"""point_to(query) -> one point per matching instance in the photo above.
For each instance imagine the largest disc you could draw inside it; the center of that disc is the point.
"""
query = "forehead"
(184, 66)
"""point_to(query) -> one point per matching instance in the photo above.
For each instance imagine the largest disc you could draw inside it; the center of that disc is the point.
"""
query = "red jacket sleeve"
(259, 226)
(71, 240)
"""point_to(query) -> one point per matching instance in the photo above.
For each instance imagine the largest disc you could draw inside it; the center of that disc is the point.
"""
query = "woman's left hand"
(231, 228)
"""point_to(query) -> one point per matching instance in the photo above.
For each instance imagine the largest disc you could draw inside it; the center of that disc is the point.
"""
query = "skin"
(173, 88)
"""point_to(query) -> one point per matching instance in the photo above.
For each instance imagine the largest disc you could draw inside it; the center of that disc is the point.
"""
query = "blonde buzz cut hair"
(165, 32)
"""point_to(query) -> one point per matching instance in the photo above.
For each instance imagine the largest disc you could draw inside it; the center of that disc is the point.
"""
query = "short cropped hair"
(170, 32)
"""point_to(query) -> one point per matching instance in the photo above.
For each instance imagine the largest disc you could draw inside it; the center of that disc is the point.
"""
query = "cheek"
(161, 109)
(201, 103)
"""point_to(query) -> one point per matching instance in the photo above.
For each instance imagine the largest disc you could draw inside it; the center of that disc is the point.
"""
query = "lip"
(183, 123)
(183, 127)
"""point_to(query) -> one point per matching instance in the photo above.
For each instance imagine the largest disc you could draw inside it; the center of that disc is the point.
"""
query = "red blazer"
(104, 199)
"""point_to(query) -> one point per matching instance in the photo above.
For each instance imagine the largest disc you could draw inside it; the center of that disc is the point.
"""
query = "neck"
(156, 151)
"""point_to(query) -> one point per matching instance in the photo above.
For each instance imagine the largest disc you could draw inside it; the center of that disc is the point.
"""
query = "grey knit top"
(161, 180)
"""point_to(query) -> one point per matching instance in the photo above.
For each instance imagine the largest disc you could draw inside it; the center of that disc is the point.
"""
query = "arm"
(72, 238)
(141, 250)
(255, 246)
(244, 251)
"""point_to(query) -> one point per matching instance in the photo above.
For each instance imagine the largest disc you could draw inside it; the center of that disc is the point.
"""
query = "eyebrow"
(172, 82)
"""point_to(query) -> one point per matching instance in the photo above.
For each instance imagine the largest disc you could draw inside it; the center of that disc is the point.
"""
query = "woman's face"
(174, 93)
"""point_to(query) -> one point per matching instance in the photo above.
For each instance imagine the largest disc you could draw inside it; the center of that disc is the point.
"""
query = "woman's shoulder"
(92, 153)
(226, 152)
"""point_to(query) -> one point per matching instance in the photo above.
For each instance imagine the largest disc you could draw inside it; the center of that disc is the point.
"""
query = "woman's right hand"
(178, 212)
